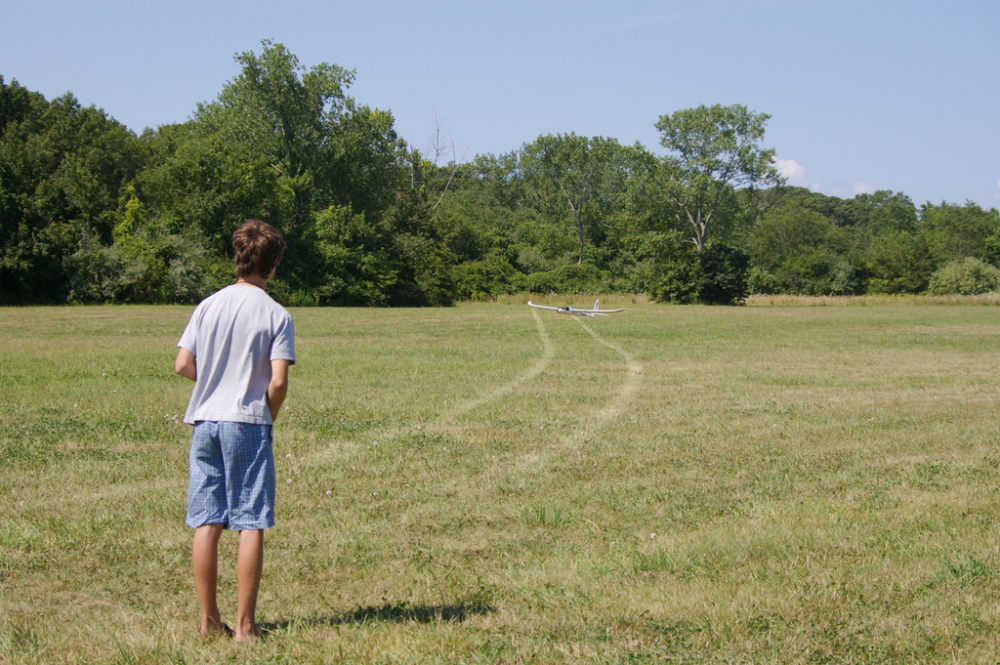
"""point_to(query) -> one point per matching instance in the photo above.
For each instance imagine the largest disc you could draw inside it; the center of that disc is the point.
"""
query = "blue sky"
(864, 95)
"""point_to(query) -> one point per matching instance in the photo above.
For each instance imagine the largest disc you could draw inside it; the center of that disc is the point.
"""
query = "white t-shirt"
(234, 334)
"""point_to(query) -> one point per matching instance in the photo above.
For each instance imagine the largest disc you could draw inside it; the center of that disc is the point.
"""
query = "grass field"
(494, 484)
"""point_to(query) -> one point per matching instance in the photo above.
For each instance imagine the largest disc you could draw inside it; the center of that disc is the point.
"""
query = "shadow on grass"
(389, 613)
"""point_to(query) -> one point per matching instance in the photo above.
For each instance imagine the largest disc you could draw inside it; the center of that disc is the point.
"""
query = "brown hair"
(259, 248)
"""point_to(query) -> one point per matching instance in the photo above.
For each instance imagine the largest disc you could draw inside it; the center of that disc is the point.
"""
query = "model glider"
(597, 311)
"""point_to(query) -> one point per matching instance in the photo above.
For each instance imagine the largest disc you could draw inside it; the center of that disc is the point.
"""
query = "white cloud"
(862, 188)
(791, 171)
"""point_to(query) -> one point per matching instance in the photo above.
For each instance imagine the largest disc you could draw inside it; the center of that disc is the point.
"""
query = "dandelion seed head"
(288, 482)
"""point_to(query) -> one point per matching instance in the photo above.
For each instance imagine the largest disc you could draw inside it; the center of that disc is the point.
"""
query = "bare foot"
(246, 635)
(215, 628)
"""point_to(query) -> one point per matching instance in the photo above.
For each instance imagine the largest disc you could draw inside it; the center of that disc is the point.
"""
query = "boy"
(236, 348)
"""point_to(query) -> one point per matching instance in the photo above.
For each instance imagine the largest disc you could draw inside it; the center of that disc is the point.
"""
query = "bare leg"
(205, 560)
(249, 564)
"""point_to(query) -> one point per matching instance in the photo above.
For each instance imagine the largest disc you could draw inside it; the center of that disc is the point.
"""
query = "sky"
(863, 95)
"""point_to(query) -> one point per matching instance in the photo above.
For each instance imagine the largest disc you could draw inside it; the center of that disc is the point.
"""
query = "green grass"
(493, 484)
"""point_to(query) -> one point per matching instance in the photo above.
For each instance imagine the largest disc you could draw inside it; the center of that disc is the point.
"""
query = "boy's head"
(259, 248)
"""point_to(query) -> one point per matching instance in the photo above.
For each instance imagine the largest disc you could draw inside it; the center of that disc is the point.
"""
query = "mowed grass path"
(493, 484)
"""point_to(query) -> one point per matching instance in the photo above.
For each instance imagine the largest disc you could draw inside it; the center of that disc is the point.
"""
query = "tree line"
(91, 212)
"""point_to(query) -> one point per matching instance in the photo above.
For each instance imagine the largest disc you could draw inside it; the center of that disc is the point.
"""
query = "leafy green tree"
(896, 262)
(325, 148)
(62, 169)
(517, 219)
(713, 151)
(283, 113)
(285, 143)
(479, 234)
(893, 252)
(355, 266)
(396, 260)
(795, 250)
(584, 177)
(955, 232)
(422, 259)
(530, 194)
(17, 102)
(845, 213)
(886, 212)
(202, 185)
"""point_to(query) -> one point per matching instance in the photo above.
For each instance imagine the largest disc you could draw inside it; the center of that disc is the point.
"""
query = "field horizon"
(794, 481)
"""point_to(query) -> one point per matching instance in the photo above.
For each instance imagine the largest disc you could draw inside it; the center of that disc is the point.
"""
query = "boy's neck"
(253, 280)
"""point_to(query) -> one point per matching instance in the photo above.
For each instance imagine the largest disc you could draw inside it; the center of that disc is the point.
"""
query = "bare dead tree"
(439, 145)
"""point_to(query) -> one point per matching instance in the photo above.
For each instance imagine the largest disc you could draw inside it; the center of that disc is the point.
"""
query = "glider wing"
(582, 312)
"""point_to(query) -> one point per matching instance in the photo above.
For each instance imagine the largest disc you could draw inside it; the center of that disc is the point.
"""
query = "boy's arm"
(185, 365)
(278, 388)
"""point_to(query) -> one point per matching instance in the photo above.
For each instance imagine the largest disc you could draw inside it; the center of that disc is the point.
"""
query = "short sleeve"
(283, 344)
(189, 339)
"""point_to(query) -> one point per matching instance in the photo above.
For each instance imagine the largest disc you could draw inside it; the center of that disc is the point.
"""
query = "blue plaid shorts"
(232, 476)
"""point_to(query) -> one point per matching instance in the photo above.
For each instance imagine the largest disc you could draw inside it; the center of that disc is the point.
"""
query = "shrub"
(485, 279)
(843, 281)
(574, 279)
(666, 268)
(143, 268)
(965, 277)
(761, 282)
(723, 279)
